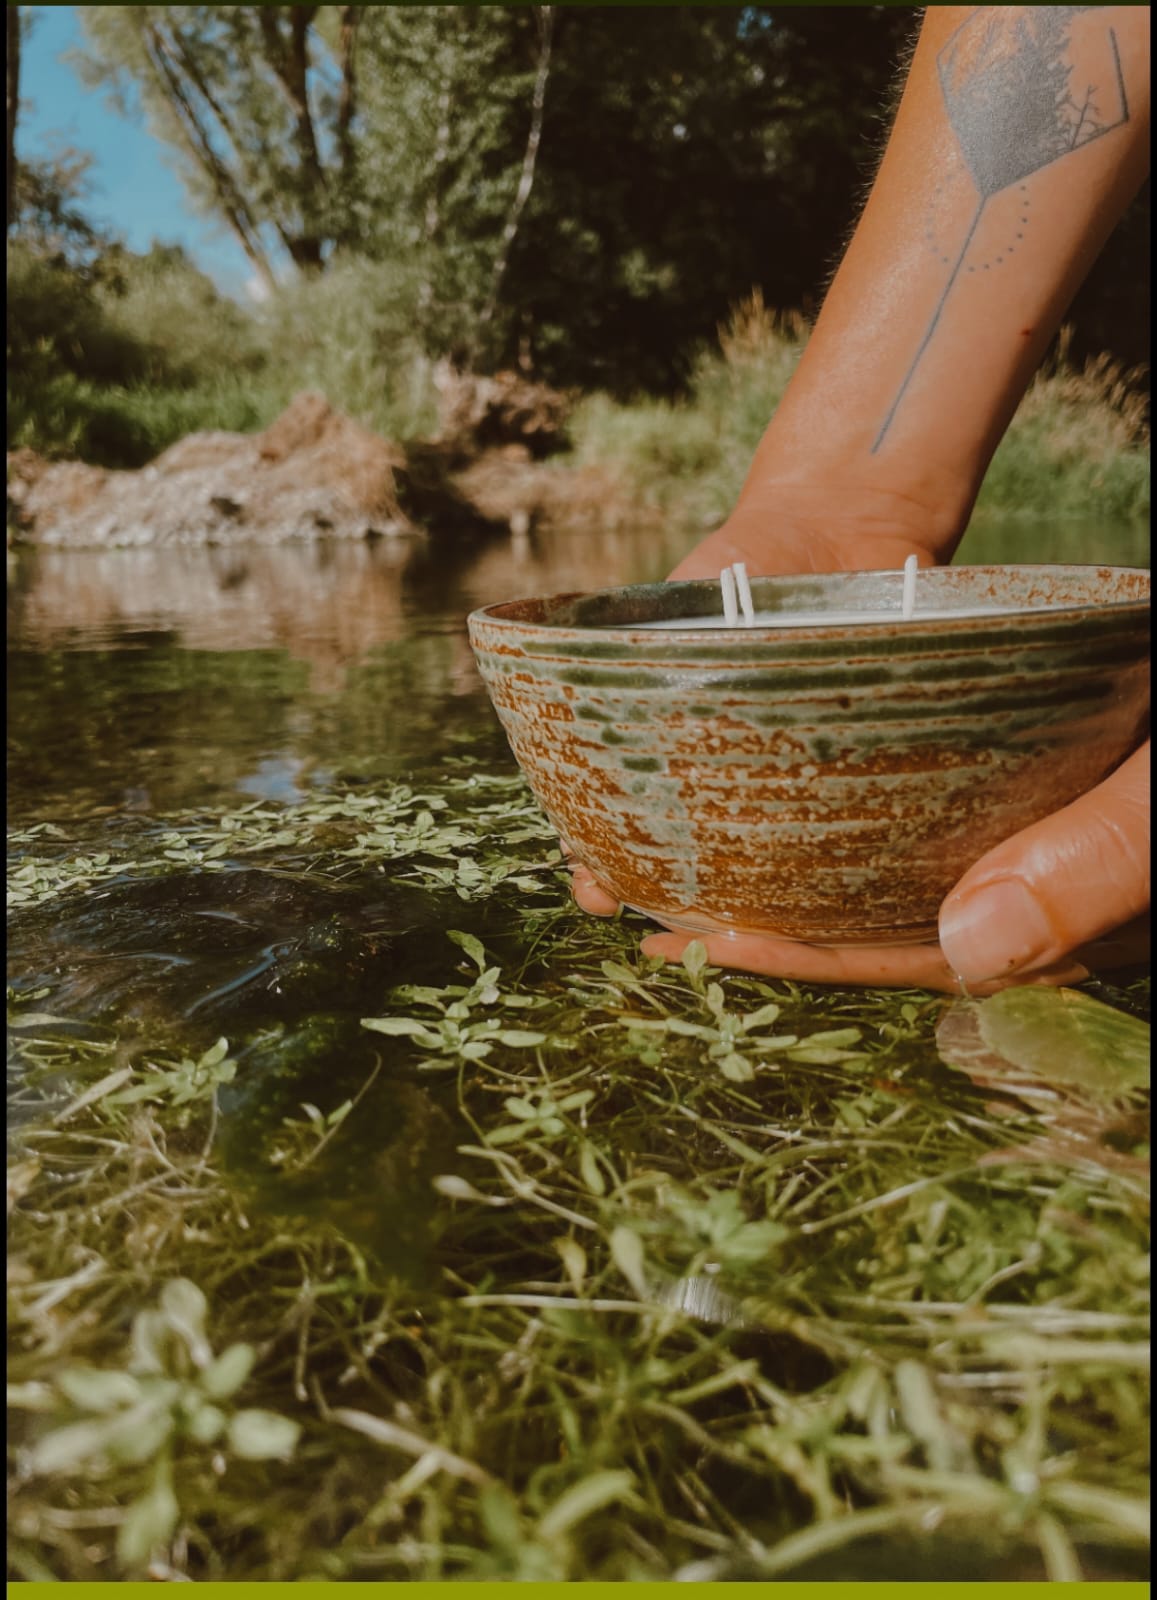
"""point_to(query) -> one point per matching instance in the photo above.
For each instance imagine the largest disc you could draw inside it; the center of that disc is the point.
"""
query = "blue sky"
(133, 191)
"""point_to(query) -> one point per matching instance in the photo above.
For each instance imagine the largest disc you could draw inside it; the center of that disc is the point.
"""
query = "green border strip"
(501, 1591)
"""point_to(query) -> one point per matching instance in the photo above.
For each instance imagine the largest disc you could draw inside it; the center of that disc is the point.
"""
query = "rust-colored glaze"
(820, 783)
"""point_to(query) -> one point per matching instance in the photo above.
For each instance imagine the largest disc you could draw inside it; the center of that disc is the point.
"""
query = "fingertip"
(590, 896)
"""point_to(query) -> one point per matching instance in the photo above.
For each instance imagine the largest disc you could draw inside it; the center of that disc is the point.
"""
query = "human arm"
(947, 297)
(951, 288)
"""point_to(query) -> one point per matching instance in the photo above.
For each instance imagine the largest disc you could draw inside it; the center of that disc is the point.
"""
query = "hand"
(1038, 908)
(1065, 898)
(799, 527)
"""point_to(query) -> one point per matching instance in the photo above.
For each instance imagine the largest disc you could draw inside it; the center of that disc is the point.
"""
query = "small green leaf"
(589, 1169)
(627, 1251)
(262, 1435)
(520, 1038)
(31, 1397)
(574, 1260)
(224, 1376)
(150, 1341)
(472, 946)
(736, 1068)
(66, 1448)
(137, 1434)
(456, 1188)
(205, 1424)
(148, 1522)
(1063, 1037)
(185, 1309)
(402, 1027)
(98, 1391)
(832, 1038)
(760, 1018)
(695, 958)
(582, 1499)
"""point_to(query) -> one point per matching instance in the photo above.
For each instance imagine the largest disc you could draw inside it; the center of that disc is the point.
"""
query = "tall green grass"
(1077, 447)
(115, 365)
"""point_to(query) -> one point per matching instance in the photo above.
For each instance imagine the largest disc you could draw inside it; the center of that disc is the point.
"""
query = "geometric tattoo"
(1007, 78)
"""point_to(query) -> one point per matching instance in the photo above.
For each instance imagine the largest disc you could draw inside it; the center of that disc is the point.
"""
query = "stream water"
(147, 683)
(144, 680)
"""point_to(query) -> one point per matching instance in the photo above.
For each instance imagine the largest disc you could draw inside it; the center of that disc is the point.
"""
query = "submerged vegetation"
(506, 1253)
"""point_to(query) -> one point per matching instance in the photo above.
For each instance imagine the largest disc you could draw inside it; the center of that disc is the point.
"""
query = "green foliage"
(776, 1315)
(169, 1398)
(227, 88)
(1077, 447)
(112, 356)
(351, 334)
(679, 147)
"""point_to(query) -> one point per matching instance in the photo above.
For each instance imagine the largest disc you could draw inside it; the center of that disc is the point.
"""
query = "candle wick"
(739, 568)
(908, 597)
(730, 606)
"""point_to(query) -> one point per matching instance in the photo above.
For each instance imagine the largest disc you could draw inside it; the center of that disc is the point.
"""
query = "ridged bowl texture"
(816, 782)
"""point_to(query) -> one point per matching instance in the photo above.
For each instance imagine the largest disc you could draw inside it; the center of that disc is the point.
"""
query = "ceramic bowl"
(829, 783)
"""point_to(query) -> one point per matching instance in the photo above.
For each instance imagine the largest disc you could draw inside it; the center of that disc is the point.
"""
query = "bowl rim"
(492, 615)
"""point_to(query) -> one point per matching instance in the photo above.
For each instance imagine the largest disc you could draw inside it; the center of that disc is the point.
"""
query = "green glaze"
(820, 783)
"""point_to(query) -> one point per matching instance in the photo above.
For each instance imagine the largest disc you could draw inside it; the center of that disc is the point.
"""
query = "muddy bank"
(318, 474)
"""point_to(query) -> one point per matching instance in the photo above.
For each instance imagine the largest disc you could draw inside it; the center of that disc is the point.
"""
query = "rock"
(312, 473)
(484, 413)
(317, 474)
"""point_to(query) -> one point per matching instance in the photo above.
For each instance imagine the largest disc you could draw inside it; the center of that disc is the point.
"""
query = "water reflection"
(327, 604)
(145, 680)
(151, 679)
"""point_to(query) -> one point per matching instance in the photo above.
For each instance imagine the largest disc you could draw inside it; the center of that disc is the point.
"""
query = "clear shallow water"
(144, 680)
(144, 683)
(141, 681)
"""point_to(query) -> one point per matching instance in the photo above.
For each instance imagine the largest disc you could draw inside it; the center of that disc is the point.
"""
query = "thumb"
(1062, 882)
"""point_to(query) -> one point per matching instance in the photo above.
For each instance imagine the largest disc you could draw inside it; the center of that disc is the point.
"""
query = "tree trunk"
(526, 180)
(13, 109)
(290, 62)
(347, 102)
(199, 145)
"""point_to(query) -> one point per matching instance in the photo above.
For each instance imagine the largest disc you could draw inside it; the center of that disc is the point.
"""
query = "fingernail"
(994, 931)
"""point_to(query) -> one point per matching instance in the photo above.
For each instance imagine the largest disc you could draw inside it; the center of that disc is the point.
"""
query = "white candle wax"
(832, 619)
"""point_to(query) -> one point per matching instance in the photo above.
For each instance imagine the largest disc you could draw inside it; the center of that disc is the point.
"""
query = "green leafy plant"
(172, 1395)
(452, 1034)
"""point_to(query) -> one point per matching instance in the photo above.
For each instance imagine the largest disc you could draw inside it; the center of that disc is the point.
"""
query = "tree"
(13, 111)
(260, 125)
(689, 155)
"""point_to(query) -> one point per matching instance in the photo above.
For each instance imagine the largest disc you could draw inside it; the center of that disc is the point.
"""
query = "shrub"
(1077, 447)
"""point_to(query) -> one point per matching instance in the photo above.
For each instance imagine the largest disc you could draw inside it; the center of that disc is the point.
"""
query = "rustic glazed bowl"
(819, 782)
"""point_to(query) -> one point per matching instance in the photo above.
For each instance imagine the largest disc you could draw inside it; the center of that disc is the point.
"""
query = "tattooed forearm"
(1019, 95)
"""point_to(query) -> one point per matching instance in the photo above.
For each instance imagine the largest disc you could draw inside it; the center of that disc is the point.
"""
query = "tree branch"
(13, 76)
(290, 63)
(197, 142)
(545, 18)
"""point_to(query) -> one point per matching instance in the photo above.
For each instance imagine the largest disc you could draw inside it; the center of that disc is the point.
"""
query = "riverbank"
(1077, 449)
(1078, 446)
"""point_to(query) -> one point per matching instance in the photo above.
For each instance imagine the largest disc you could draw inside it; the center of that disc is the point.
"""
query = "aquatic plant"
(794, 1278)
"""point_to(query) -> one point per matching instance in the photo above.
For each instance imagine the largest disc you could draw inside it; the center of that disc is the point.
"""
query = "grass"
(1077, 447)
(113, 372)
(714, 1278)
